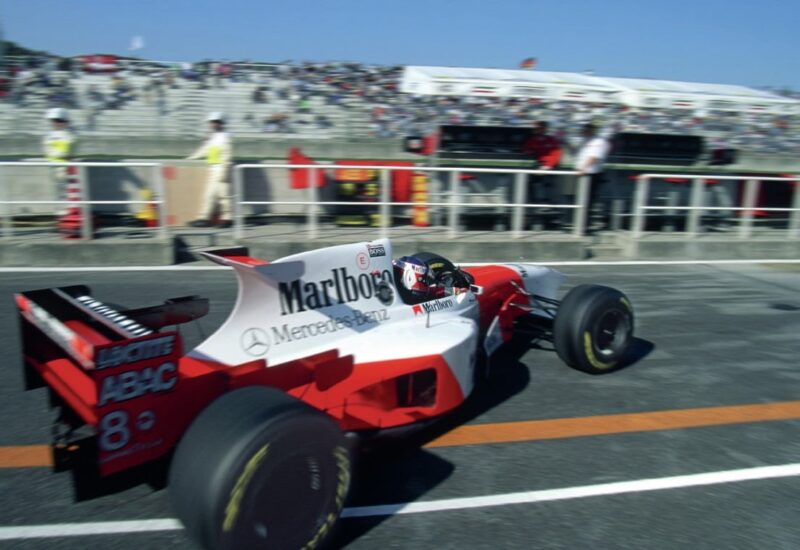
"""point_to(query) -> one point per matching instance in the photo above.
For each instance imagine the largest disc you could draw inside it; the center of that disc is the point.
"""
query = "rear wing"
(80, 325)
(113, 369)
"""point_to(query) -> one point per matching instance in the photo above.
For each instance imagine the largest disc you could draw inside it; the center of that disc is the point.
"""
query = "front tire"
(593, 329)
(260, 469)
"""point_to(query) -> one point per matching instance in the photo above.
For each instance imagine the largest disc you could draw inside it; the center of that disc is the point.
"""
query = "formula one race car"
(319, 345)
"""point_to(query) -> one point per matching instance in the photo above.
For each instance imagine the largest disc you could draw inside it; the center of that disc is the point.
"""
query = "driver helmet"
(412, 275)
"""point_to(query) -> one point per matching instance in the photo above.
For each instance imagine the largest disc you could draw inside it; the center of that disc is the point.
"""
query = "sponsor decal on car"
(136, 383)
(430, 307)
(376, 251)
(117, 436)
(133, 352)
(133, 449)
(362, 261)
(340, 288)
(357, 318)
(255, 342)
(385, 293)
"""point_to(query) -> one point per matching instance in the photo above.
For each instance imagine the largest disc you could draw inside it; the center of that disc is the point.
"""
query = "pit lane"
(712, 338)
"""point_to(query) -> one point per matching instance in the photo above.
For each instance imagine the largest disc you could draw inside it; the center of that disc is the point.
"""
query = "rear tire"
(260, 469)
(593, 329)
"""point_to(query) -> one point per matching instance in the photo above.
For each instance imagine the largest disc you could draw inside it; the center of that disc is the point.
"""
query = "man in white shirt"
(590, 162)
(218, 153)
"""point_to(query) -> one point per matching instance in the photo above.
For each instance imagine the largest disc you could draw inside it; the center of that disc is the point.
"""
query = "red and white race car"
(320, 344)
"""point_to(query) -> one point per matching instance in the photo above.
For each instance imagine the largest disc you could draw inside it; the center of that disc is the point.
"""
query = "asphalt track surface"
(714, 388)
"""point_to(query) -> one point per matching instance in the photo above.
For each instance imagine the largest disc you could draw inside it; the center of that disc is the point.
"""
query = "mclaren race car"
(319, 345)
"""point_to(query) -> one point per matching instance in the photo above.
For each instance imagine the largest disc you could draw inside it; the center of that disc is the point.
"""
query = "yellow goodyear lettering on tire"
(232, 509)
(342, 484)
(589, 349)
(624, 301)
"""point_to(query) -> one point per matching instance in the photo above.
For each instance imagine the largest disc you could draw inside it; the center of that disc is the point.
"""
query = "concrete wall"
(27, 145)
(40, 183)
(184, 184)
(179, 147)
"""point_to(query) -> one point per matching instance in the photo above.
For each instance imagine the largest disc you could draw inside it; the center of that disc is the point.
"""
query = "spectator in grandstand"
(304, 106)
(62, 95)
(277, 122)
(259, 94)
(323, 122)
(590, 162)
(121, 92)
(218, 152)
(58, 145)
(94, 102)
(250, 121)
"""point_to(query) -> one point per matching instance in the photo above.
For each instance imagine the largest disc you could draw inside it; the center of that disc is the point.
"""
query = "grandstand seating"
(183, 111)
(371, 107)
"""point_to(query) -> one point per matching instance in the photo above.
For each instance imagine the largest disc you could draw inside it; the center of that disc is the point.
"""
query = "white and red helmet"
(412, 275)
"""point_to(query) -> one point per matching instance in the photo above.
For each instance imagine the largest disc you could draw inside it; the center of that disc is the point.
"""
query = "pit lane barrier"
(697, 197)
(7, 204)
(453, 205)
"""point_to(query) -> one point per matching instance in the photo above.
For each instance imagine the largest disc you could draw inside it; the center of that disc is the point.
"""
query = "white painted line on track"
(528, 497)
(81, 529)
(605, 489)
(581, 263)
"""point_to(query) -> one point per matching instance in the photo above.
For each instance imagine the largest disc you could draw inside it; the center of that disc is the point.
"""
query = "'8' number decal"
(114, 432)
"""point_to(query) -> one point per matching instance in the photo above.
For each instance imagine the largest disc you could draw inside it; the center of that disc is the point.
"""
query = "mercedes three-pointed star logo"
(255, 342)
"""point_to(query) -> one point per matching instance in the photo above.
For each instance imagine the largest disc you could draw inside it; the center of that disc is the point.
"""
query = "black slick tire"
(260, 469)
(593, 329)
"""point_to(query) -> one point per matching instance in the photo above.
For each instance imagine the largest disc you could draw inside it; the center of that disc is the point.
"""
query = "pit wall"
(29, 145)
(184, 184)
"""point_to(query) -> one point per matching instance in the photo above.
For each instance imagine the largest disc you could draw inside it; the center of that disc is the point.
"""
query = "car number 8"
(114, 432)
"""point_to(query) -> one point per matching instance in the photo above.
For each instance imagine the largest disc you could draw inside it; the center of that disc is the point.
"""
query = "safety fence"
(656, 202)
(450, 196)
(702, 189)
(75, 218)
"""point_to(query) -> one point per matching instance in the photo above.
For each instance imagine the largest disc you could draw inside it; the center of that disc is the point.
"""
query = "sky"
(734, 41)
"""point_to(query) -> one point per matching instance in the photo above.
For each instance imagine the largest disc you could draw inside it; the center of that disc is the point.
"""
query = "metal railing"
(87, 229)
(385, 204)
(696, 207)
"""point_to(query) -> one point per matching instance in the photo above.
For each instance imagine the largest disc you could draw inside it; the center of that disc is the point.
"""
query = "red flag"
(300, 176)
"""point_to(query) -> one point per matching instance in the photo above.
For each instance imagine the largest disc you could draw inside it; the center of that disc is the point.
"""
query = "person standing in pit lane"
(546, 151)
(218, 152)
(590, 162)
(58, 145)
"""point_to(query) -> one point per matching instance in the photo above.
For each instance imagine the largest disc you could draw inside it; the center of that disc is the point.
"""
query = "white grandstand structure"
(561, 86)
